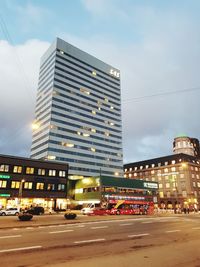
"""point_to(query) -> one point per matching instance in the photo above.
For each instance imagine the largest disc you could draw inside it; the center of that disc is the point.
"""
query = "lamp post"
(20, 192)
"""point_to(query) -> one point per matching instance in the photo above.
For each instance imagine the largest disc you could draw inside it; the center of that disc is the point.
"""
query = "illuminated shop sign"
(150, 185)
(4, 195)
(4, 176)
(114, 73)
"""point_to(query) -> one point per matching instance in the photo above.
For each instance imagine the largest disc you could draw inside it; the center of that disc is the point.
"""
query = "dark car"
(36, 211)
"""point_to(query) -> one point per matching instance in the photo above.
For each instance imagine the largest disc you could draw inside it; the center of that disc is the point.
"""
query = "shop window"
(4, 168)
(15, 184)
(61, 187)
(28, 185)
(62, 173)
(17, 169)
(3, 184)
(29, 170)
(40, 186)
(41, 171)
(52, 172)
(51, 187)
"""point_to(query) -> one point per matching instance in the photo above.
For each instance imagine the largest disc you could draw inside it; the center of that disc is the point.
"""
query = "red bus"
(132, 207)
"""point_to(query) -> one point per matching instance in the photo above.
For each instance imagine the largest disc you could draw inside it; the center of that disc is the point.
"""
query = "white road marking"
(126, 224)
(89, 241)
(41, 227)
(99, 227)
(172, 231)
(62, 225)
(196, 228)
(138, 235)
(29, 227)
(10, 236)
(15, 229)
(18, 249)
(147, 222)
(62, 231)
(52, 226)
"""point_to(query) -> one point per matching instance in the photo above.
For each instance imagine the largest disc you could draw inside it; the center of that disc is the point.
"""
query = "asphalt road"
(170, 241)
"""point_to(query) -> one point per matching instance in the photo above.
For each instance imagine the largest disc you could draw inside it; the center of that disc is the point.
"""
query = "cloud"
(19, 68)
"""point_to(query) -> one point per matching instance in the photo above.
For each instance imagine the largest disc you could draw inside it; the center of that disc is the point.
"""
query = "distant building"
(32, 182)
(186, 145)
(178, 177)
(78, 113)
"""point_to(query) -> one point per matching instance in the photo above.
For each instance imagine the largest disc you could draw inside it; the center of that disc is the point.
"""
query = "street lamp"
(20, 191)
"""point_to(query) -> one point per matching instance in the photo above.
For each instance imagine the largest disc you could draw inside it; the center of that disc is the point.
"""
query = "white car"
(10, 211)
(89, 208)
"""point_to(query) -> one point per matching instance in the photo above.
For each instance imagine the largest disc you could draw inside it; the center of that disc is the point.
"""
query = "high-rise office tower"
(78, 112)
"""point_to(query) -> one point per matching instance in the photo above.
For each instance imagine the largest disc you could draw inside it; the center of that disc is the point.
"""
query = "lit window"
(130, 175)
(166, 163)
(184, 193)
(86, 135)
(93, 130)
(93, 112)
(198, 184)
(106, 99)
(67, 144)
(152, 171)
(107, 134)
(41, 171)
(51, 187)
(165, 170)
(52, 172)
(61, 187)
(135, 168)
(159, 164)
(182, 175)
(17, 169)
(141, 167)
(4, 168)
(167, 185)
(152, 165)
(173, 161)
(125, 170)
(194, 184)
(79, 133)
(135, 173)
(39, 186)
(3, 184)
(62, 173)
(173, 169)
(99, 108)
(160, 186)
(51, 157)
(15, 184)
(28, 185)
(29, 170)
(196, 169)
(130, 169)
(147, 166)
(62, 52)
(84, 90)
(93, 149)
(112, 123)
(111, 107)
(94, 73)
(161, 194)
(153, 179)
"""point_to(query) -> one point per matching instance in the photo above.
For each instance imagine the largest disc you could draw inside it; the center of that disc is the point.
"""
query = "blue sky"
(155, 44)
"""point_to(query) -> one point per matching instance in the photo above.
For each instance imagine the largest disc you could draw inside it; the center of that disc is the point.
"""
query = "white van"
(90, 207)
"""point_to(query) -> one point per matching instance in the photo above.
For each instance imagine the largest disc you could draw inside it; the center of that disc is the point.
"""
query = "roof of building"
(177, 157)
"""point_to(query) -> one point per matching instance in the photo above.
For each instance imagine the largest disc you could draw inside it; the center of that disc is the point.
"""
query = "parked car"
(10, 211)
(36, 211)
(87, 210)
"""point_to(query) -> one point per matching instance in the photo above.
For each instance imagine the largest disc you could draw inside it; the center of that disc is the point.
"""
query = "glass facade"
(78, 112)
